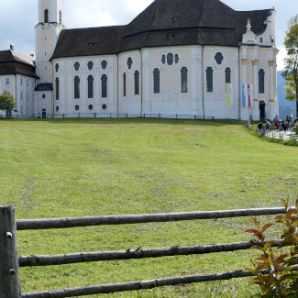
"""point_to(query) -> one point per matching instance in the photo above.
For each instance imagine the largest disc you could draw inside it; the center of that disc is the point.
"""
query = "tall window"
(137, 82)
(228, 75)
(261, 81)
(57, 88)
(60, 17)
(90, 86)
(156, 80)
(76, 87)
(124, 84)
(184, 72)
(209, 79)
(104, 86)
(46, 15)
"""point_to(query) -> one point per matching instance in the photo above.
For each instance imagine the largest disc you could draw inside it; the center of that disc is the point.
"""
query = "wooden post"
(9, 273)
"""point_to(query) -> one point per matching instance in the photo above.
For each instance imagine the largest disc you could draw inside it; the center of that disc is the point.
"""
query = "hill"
(93, 167)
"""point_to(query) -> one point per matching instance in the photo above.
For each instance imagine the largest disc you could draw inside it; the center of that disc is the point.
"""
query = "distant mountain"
(286, 107)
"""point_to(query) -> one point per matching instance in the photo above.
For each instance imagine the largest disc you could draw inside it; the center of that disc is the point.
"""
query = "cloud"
(92, 13)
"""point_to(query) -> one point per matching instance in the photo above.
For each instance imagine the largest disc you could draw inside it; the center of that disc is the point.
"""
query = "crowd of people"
(281, 125)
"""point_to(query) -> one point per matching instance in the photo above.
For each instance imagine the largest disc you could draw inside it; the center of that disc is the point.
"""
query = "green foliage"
(280, 262)
(291, 61)
(7, 101)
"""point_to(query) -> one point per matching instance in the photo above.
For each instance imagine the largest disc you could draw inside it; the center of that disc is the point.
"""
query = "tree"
(291, 61)
(7, 103)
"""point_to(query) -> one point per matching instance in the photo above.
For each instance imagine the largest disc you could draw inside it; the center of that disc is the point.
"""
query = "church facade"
(191, 58)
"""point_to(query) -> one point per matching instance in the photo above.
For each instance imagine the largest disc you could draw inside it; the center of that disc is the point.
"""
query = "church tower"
(47, 32)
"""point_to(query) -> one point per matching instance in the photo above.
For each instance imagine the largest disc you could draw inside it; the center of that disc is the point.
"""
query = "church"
(177, 58)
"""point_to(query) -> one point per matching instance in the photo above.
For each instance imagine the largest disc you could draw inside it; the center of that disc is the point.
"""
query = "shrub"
(279, 262)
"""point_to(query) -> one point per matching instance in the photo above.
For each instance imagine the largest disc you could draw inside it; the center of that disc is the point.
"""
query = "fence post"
(9, 268)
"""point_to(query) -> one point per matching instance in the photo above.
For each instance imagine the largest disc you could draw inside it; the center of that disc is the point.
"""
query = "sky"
(19, 30)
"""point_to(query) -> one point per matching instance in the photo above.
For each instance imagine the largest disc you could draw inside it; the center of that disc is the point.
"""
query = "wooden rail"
(9, 261)
(139, 253)
(62, 223)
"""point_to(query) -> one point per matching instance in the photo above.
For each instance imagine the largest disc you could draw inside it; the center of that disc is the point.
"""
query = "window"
(57, 88)
(228, 75)
(129, 63)
(90, 86)
(170, 58)
(163, 59)
(90, 107)
(261, 81)
(156, 80)
(76, 66)
(104, 86)
(184, 72)
(104, 106)
(21, 81)
(57, 109)
(104, 64)
(46, 16)
(219, 58)
(43, 96)
(137, 82)
(209, 79)
(76, 87)
(60, 17)
(57, 67)
(77, 107)
(7, 81)
(176, 58)
(124, 84)
(90, 65)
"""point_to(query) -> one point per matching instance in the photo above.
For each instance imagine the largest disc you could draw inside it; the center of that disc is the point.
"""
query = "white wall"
(66, 74)
(22, 89)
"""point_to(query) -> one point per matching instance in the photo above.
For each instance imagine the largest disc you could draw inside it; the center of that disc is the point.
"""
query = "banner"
(229, 94)
(247, 95)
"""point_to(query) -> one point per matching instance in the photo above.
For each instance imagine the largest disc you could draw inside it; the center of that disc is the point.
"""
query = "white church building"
(186, 58)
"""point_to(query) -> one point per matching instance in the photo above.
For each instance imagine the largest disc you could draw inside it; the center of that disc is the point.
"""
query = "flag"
(244, 95)
(247, 95)
(229, 94)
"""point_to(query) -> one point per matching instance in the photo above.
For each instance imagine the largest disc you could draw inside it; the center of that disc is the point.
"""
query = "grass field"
(89, 167)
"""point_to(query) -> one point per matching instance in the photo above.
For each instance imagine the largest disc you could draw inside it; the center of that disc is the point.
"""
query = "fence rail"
(62, 223)
(274, 134)
(10, 262)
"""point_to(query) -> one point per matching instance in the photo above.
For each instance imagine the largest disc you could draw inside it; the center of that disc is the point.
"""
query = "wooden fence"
(10, 262)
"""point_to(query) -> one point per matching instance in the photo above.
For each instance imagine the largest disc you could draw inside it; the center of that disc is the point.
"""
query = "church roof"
(12, 62)
(165, 23)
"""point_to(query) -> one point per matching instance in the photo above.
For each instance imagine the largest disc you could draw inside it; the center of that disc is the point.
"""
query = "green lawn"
(89, 167)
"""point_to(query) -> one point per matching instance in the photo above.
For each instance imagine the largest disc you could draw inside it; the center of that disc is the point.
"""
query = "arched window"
(209, 79)
(46, 16)
(228, 75)
(104, 86)
(57, 88)
(124, 84)
(76, 87)
(156, 80)
(90, 86)
(137, 82)
(261, 81)
(184, 79)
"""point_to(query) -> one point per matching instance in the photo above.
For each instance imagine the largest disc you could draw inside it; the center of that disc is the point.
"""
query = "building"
(17, 76)
(178, 57)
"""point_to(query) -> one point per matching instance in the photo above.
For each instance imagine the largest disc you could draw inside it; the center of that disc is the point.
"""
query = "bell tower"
(47, 32)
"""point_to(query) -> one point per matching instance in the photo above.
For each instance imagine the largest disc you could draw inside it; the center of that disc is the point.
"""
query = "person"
(260, 126)
(268, 125)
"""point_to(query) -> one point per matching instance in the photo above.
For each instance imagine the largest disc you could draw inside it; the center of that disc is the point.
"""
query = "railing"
(274, 134)
(10, 262)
